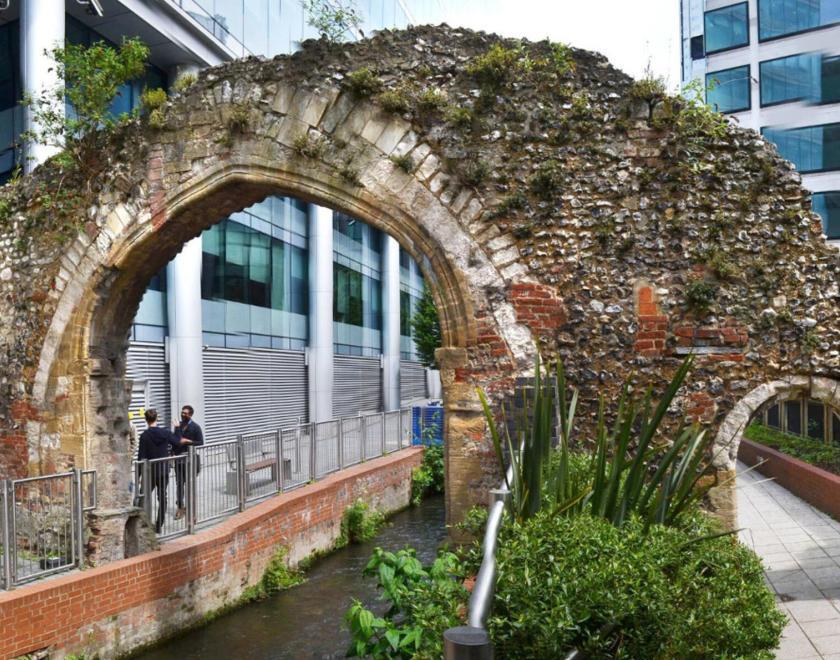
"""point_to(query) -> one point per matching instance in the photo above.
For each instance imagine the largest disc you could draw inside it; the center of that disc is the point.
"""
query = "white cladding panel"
(252, 389)
(146, 366)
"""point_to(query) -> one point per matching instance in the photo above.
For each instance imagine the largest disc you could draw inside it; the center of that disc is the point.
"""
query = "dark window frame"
(728, 48)
(787, 34)
(761, 102)
(749, 87)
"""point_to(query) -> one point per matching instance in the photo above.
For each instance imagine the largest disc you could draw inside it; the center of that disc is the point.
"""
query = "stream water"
(307, 621)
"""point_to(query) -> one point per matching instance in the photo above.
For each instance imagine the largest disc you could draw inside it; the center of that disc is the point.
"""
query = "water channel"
(307, 621)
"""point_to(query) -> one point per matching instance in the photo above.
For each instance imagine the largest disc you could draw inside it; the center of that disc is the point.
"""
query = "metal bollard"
(467, 643)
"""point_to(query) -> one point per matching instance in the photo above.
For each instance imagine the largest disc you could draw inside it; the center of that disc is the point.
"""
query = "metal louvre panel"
(357, 385)
(252, 389)
(148, 362)
(412, 381)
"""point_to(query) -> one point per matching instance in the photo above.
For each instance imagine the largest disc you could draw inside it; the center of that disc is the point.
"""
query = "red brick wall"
(115, 608)
(815, 486)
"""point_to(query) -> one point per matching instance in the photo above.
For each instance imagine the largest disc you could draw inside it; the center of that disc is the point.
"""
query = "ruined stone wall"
(548, 198)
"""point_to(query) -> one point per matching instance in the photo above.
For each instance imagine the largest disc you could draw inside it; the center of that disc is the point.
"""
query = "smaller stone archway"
(731, 430)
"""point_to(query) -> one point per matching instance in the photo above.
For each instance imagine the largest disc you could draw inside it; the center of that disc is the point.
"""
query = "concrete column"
(41, 29)
(320, 313)
(183, 306)
(391, 323)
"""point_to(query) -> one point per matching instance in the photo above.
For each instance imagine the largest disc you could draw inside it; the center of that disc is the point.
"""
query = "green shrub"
(184, 82)
(157, 119)
(430, 102)
(363, 82)
(239, 118)
(405, 162)
(475, 172)
(460, 117)
(277, 577)
(545, 180)
(396, 100)
(429, 477)
(423, 603)
(309, 146)
(669, 593)
(152, 99)
(810, 450)
(495, 68)
(700, 295)
(359, 523)
(332, 18)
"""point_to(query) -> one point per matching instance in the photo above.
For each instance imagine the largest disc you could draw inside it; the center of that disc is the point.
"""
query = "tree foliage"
(425, 328)
(332, 18)
(92, 76)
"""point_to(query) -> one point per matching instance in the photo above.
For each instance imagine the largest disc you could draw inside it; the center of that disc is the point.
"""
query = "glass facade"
(807, 76)
(811, 149)
(827, 204)
(778, 18)
(729, 90)
(357, 288)
(727, 28)
(254, 286)
(272, 27)
(411, 290)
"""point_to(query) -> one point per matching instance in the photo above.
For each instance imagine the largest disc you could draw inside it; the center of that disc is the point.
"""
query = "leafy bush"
(359, 523)
(309, 145)
(631, 472)
(405, 162)
(667, 593)
(277, 577)
(363, 82)
(700, 295)
(152, 99)
(495, 68)
(184, 82)
(429, 476)
(815, 452)
(423, 602)
(332, 18)
(397, 100)
(545, 180)
(425, 329)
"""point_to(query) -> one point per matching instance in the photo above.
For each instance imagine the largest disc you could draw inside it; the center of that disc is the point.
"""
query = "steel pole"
(8, 576)
(341, 443)
(278, 456)
(191, 489)
(241, 483)
(79, 526)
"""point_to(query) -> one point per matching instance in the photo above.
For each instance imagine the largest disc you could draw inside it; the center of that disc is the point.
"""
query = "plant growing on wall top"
(332, 18)
(92, 77)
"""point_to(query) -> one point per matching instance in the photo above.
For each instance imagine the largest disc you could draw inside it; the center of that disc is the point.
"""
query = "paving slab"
(800, 548)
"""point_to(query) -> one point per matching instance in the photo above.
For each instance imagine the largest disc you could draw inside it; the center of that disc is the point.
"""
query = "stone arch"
(78, 385)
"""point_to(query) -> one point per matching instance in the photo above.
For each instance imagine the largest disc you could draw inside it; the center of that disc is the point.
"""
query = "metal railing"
(42, 524)
(472, 641)
(212, 481)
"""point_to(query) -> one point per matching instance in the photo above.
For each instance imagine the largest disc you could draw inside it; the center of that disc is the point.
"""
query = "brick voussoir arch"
(79, 383)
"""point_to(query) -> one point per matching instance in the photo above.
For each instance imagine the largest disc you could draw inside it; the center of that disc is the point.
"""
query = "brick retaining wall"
(814, 485)
(110, 610)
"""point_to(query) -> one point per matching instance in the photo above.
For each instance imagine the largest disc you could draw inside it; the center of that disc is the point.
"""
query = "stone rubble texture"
(555, 209)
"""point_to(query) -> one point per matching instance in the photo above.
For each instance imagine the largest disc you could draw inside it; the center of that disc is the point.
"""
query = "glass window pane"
(793, 412)
(790, 79)
(816, 420)
(811, 148)
(259, 269)
(726, 28)
(729, 90)
(830, 80)
(777, 18)
(773, 416)
(827, 204)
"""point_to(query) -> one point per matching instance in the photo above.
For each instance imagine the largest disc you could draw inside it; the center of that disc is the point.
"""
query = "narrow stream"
(307, 621)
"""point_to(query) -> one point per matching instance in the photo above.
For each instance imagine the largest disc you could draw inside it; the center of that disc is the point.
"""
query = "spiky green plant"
(631, 471)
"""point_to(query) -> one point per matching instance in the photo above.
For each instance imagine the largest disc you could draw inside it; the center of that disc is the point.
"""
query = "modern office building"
(282, 312)
(774, 66)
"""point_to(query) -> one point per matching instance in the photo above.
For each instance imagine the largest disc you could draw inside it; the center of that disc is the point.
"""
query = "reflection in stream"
(307, 621)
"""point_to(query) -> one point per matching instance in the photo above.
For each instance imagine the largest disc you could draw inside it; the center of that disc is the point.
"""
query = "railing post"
(146, 482)
(78, 514)
(363, 429)
(278, 453)
(340, 443)
(313, 448)
(191, 489)
(297, 443)
(241, 481)
(8, 575)
(382, 451)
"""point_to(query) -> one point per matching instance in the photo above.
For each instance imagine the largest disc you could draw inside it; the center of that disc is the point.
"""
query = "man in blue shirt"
(187, 429)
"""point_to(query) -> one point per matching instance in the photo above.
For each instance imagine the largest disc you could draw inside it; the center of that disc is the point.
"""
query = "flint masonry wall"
(107, 611)
(549, 199)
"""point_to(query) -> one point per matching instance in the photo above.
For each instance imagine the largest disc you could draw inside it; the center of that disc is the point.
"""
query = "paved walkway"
(800, 547)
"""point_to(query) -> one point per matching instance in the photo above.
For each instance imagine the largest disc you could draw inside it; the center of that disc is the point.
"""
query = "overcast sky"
(630, 33)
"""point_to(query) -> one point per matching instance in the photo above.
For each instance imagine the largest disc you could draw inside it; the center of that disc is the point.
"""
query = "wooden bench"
(252, 466)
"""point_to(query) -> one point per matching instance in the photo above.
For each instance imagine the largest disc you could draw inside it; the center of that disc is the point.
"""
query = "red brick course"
(537, 306)
(814, 485)
(49, 614)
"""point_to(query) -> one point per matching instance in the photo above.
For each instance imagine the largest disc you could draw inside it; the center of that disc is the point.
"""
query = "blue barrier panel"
(427, 425)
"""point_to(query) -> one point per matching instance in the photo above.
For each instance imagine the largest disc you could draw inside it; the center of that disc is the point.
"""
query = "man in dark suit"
(187, 429)
(158, 443)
